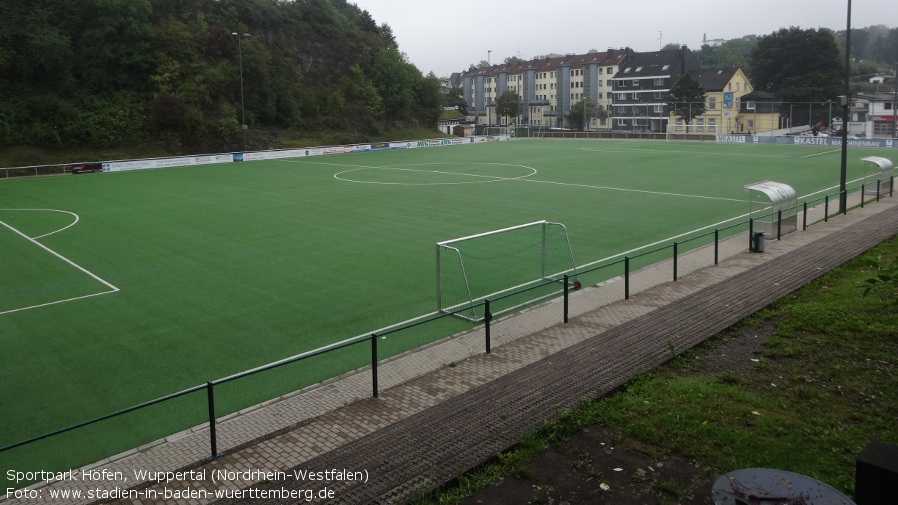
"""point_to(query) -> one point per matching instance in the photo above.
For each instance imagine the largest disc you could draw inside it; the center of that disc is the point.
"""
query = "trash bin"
(757, 242)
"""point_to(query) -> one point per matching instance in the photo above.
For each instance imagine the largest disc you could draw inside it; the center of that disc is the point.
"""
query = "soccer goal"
(511, 267)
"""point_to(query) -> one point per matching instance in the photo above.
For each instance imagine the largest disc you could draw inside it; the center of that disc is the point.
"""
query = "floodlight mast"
(843, 196)
(242, 104)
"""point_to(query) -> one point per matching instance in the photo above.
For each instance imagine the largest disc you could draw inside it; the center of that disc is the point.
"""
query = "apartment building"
(547, 88)
(642, 88)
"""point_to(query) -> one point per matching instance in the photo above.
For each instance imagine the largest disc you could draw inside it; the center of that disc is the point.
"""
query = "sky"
(445, 37)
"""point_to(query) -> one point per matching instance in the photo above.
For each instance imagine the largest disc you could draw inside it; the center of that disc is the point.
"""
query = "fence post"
(779, 224)
(487, 317)
(626, 277)
(566, 303)
(374, 363)
(844, 197)
(804, 217)
(878, 188)
(751, 232)
(863, 190)
(826, 209)
(891, 186)
(674, 261)
(210, 395)
(716, 245)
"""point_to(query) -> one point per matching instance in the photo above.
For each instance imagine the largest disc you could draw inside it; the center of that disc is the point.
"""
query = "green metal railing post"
(487, 318)
(674, 261)
(566, 304)
(751, 232)
(804, 219)
(210, 395)
(779, 224)
(374, 363)
(716, 246)
(626, 277)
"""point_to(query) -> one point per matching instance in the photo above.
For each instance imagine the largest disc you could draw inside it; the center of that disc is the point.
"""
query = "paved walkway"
(448, 407)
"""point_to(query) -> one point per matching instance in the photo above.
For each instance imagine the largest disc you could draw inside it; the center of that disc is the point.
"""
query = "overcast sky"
(446, 37)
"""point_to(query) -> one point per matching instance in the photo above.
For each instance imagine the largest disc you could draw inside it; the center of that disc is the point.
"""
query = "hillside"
(107, 73)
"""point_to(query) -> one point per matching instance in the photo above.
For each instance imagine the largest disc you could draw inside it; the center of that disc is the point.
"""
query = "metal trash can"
(757, 242)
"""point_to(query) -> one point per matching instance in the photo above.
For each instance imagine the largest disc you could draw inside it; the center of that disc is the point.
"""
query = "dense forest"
(102, 73)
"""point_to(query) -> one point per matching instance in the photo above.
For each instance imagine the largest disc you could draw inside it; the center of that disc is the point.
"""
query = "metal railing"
(710, 241)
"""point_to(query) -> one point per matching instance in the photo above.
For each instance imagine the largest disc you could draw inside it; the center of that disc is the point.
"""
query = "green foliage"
(783, 63)
(106, 72)
(687, 99)
(508, 104)
(455, 97)
(886, 273)
(586, 110)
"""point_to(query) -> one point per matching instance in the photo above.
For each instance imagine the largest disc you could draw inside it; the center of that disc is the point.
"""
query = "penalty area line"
(112, 288)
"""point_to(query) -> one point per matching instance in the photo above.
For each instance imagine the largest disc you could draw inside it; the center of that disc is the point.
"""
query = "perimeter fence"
(617, 277)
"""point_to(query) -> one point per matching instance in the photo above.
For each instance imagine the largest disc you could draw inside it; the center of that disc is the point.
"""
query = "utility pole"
(895, 106)
(843, 196)
(242, 103)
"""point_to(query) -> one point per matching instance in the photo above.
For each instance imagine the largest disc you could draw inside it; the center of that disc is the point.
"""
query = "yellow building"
(724, 89)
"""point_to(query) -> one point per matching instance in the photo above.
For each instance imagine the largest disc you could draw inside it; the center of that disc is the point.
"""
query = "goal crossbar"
(517, 266)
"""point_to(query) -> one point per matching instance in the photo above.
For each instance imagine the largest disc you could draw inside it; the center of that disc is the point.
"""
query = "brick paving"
(448, 407)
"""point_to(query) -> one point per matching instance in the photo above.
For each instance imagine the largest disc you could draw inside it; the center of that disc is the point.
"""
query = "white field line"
(112, 289)
(818, 154)
(635, 190)
(73, 223)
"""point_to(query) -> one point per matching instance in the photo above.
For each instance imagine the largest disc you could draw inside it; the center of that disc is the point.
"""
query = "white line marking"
(73, 223)
(112, 289)
(636, 190)
(818, 154)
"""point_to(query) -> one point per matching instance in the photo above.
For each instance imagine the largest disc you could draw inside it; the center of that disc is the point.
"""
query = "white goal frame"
(466, 308)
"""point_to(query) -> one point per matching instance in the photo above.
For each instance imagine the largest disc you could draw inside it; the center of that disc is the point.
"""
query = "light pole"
(242, 104)
(843, 196)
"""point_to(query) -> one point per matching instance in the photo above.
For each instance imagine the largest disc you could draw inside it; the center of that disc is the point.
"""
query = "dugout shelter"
(878, 174)
(773, 207)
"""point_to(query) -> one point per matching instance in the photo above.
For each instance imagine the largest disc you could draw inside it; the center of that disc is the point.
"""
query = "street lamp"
(242, 104)
(843, 196)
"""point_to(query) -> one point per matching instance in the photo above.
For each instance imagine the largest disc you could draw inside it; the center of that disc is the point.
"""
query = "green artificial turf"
(178, 276)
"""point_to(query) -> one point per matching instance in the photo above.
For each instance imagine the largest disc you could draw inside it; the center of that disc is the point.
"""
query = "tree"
(455, 97)
(586, 110)
(687, 99)
(786, 59)
(508, 104)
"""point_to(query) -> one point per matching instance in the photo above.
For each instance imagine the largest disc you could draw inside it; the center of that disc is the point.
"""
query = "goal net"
(511, 267)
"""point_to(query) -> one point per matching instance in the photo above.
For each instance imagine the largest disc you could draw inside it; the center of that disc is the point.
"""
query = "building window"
(750, 105)
(751, 125)
(610, 70)
(636, 82)
(700, 125)
(712, 103)
(600, 96)
(621, 122)
(659, 109)
(712, 125)
(657, 95)
(659, 82)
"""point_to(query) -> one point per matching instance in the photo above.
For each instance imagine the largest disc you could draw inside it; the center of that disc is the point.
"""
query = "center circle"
(436, 174)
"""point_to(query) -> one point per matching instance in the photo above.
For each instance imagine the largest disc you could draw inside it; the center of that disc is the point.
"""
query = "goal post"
(511, 267)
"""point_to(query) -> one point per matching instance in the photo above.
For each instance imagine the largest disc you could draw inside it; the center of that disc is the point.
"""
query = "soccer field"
(118, 288)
